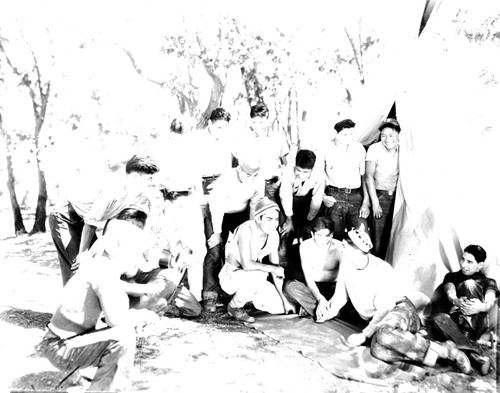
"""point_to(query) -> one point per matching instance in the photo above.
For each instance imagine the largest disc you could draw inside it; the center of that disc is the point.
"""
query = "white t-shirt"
(344, 165)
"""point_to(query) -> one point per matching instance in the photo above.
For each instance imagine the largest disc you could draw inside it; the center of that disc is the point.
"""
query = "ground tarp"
(326, 344)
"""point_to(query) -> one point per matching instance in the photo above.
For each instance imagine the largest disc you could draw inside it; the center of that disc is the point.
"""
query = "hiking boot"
(303, 313)
(239, 314)
(209, 302)
(461, 360)
(481, 363)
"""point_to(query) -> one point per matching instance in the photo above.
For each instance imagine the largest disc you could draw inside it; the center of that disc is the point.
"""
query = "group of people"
(248, 223)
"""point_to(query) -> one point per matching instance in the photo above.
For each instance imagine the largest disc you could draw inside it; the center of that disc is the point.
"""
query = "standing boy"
(73, 228)
(381, 176)
(345, 196)
(232, 201)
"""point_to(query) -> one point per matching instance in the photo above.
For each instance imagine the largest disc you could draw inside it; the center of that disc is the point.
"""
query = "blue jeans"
(345, 212)
(66, 228)
(111, 350)
(381, 227)
(212, 264)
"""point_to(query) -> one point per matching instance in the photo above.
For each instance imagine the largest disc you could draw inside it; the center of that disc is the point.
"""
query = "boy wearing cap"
(244, 274)
(320, 258)
(73, 340)
(381, 177)
(73, 227)
(346, 198)
(391, 319)
(232, 201)
(471, 295)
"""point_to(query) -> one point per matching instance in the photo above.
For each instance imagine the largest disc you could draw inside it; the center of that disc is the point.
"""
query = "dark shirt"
(472, 287)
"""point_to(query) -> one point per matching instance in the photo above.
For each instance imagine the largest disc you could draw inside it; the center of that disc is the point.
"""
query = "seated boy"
(320, 257)
(471, 295)
(391, 319)
(244, 275)
(72, 340)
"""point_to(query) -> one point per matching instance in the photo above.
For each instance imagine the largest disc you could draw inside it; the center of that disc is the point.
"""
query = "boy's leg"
(355, 200)
(111, 350)
(299, 293)
(66, 230)
(212, 265)
(381, 227)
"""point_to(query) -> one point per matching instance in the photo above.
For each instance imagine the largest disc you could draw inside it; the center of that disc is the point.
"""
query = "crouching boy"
(244, 275)
(73, 340)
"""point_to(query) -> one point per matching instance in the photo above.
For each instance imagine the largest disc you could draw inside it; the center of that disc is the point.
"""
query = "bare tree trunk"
(252, 86)
(19, 228)
(40, 111)
(41, 204)
(215, 97)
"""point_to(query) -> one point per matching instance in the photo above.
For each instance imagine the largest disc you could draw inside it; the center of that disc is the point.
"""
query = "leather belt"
(386, 192)
(329, 189)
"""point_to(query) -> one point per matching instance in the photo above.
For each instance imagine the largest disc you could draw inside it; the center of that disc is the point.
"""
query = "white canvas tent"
(446, 90)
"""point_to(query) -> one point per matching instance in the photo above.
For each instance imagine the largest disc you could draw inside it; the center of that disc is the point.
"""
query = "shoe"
(209, 302)
(461, 360)
(239, 314)
(303, 313)
(481, 363)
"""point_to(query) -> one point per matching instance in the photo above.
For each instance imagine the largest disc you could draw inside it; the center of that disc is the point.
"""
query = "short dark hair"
(347, 123)
(259, 110)
(132, 215)
(390, 123)
(320, 223)
(177, 126)
(305, 159)
(477, 252)
(141, 164)
(220, 114)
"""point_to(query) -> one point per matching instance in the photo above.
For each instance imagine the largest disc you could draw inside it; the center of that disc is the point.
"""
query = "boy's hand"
(471, 306)
(214, 240)
(328, 201)
(356, 339)
(287, 226)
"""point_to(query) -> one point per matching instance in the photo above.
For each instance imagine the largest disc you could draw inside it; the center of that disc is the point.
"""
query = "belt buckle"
(347, 190)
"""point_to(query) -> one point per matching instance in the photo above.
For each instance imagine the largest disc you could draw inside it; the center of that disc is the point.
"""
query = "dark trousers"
(288, 254)
(298, 293)
(345, 212)
(380, 228)
(212, 264)
(66, 228)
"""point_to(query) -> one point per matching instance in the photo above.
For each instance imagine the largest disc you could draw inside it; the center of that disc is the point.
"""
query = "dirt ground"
(213, 354)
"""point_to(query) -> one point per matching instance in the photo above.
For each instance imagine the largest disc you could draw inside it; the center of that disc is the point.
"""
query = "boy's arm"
(371, 166)
(243, 239)
(278, 278)
(475, 306)
(451, 294)
(305, 261)
(317, 198)
(88, 233)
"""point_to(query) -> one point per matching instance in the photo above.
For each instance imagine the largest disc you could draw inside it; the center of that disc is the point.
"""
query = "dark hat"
(392, 123)
(347, 123)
